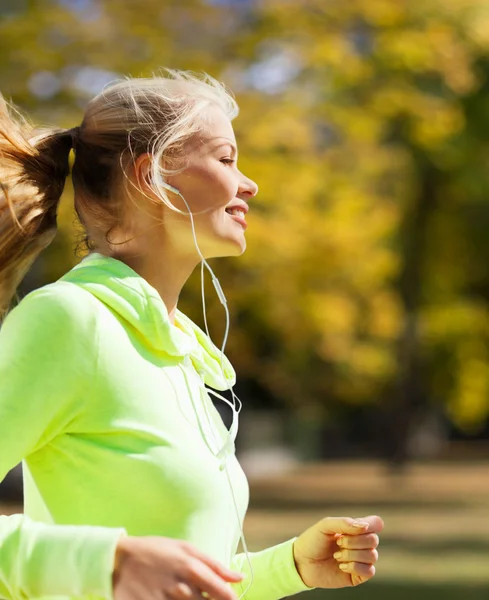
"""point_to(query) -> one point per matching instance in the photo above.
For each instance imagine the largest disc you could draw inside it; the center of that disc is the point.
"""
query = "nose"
(247, 188)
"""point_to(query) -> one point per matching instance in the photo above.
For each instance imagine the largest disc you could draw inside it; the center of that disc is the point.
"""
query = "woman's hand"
(338, 552)
(167, 569)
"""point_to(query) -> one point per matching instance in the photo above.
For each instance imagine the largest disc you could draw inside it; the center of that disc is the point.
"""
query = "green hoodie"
(103, 399)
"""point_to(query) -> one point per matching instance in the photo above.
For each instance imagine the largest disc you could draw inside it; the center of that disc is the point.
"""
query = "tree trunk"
(408, 392)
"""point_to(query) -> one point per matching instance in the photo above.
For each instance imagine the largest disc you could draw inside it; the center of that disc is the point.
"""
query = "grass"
(436, 540)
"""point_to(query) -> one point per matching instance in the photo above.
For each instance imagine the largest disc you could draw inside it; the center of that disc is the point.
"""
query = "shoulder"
(50, 338)
(53, 308)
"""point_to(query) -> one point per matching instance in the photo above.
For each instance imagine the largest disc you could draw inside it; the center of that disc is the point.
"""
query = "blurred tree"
(365, 124)
(384, 295)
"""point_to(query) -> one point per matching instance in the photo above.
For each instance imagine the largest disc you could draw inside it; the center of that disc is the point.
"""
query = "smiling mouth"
(236, 212)
(238, 216)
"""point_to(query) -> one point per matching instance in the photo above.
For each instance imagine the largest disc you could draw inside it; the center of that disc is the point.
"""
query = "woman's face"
(216, 192)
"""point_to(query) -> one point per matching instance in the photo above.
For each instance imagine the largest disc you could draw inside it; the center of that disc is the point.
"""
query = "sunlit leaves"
(345, 107)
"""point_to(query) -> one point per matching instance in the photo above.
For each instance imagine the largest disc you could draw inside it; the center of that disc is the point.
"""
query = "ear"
(142, 172)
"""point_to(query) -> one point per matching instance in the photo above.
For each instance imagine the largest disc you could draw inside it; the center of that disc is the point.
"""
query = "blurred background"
(360, 311)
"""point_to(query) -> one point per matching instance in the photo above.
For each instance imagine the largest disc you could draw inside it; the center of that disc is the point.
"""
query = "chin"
(230, 248)
(238, 247)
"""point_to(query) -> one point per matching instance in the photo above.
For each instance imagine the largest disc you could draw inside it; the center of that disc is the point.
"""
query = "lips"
(241, 207)
(236, 212)
(237, 215)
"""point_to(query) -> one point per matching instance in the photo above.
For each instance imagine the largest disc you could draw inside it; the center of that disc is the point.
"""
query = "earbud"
(171, 188)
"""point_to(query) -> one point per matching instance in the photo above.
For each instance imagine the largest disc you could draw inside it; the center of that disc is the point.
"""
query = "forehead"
(216, 121)
(216, 128)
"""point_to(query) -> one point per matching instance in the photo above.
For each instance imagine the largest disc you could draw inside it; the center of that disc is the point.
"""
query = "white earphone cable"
(236, 404)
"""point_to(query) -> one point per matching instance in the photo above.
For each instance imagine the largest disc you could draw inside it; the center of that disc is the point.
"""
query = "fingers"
(367, 557)
(205, 579)
(358, 542)
(359, 572)
(216, 566)
(358, 563)
(357, 554)
(183, 591)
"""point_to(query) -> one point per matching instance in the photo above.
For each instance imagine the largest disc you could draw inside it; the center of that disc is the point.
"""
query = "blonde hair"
(157, 115)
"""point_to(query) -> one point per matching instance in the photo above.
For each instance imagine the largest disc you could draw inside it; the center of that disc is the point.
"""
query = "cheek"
(207, 188)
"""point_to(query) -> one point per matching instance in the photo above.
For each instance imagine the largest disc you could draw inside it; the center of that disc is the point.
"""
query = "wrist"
(297, 563)
(121, 553)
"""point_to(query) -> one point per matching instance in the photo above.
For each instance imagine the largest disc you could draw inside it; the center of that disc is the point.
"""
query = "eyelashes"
(227, 161)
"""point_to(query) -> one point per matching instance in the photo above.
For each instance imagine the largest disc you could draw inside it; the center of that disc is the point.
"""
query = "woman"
(131, 486)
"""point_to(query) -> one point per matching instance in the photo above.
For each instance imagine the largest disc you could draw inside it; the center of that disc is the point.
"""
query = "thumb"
(375, 523)
(345, 525)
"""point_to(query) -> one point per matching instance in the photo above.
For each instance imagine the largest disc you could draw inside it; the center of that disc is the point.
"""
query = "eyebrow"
(230, 144)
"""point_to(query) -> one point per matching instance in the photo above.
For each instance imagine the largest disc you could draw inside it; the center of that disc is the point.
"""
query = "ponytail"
(33, 170)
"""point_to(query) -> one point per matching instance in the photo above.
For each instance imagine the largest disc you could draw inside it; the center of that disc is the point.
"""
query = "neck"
(149, 252)
(167, 276)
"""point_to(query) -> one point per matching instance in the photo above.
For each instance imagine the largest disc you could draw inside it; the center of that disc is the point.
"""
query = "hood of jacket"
(135, 301)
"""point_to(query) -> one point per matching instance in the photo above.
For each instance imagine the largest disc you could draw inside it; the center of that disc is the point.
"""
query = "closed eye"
(227, 161)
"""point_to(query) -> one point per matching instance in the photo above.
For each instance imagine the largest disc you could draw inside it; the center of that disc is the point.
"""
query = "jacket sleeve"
(274, 573)
(47, 352)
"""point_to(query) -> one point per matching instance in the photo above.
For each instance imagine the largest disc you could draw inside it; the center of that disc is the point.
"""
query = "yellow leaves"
(283, 130)
(361, 368)
(277, 239)
(356, 227)
(335, 313)
(470, 15)
(386, 316)
(452, 58)
(470, 401)
(452, 321)
(396, 97)
(434, 120)
(351, 205)
(357, 123)
(335, 53)
(375, 267)
(432, 48)
(406, 49)
(463, 327)
(332, 50)
(282, 228)
(478, 26)
(338, 317)
(372, 360)
(275, 127)
(437, 123)
(383, 13)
